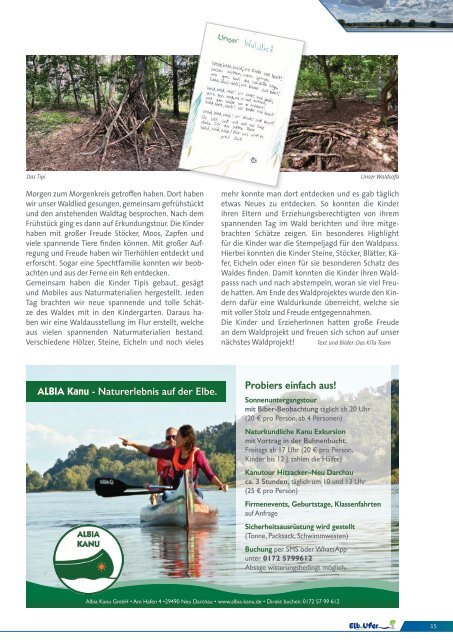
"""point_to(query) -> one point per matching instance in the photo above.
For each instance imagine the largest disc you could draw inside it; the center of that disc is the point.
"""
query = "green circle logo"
(88, 559)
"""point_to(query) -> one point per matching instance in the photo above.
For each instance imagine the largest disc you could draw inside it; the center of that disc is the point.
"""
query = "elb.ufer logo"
(88, 559)
(370, 625)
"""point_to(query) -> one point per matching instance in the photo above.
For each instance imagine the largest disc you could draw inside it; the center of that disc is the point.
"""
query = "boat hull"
(182, 508)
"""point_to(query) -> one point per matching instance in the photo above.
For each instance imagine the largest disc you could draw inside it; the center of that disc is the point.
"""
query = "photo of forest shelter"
(345, 115)
(129, 113)
(107, 113)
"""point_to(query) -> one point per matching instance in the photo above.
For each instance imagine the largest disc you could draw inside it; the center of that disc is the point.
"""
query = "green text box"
(120, 391)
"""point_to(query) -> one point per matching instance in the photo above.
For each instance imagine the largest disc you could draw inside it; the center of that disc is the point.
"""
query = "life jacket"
(188, 464)
(166, 473)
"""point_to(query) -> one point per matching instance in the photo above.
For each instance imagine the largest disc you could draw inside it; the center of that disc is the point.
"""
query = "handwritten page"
(241, 104)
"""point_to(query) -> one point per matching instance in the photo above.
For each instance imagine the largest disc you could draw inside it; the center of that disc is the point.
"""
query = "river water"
(152, 553)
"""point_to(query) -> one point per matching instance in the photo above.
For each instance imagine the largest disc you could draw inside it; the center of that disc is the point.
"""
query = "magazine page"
(221, 253)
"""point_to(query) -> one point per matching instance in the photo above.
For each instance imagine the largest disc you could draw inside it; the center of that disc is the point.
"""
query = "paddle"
(111, 488)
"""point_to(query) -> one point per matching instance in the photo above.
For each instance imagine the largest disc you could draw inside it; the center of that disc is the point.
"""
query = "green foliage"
(34, 480)
(46, 121)
(187, 66)
(184, 108)
(359, 77)
(70, 479)
(218, 439)
(395, 412)
(85, 463)
(82, 81)
(310, 82)
(394, 421)
(224, 466)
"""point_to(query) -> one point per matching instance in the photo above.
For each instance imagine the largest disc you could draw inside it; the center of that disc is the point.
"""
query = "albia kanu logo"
(88, 559)
(370, 625)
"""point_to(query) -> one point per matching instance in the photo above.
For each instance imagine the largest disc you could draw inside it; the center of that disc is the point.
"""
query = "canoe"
(182, 508)
(99, 565)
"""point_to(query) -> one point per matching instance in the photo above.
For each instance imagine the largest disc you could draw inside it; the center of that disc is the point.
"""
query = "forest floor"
(348, 138)
(55, 142)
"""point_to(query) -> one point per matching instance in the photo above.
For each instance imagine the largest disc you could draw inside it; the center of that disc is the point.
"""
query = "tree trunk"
(91, 83)
(140, 67)
(97, 87)
(387, 93)
(174, 65)
(74, 88)
(57, 89)
(57, 84)
(35, 75)
(325, 68)
(378, 87)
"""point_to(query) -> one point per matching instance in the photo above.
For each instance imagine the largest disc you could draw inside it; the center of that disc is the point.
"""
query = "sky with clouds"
(381, 10)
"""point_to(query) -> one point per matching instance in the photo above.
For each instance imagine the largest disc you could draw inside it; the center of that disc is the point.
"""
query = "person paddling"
(184, 455)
